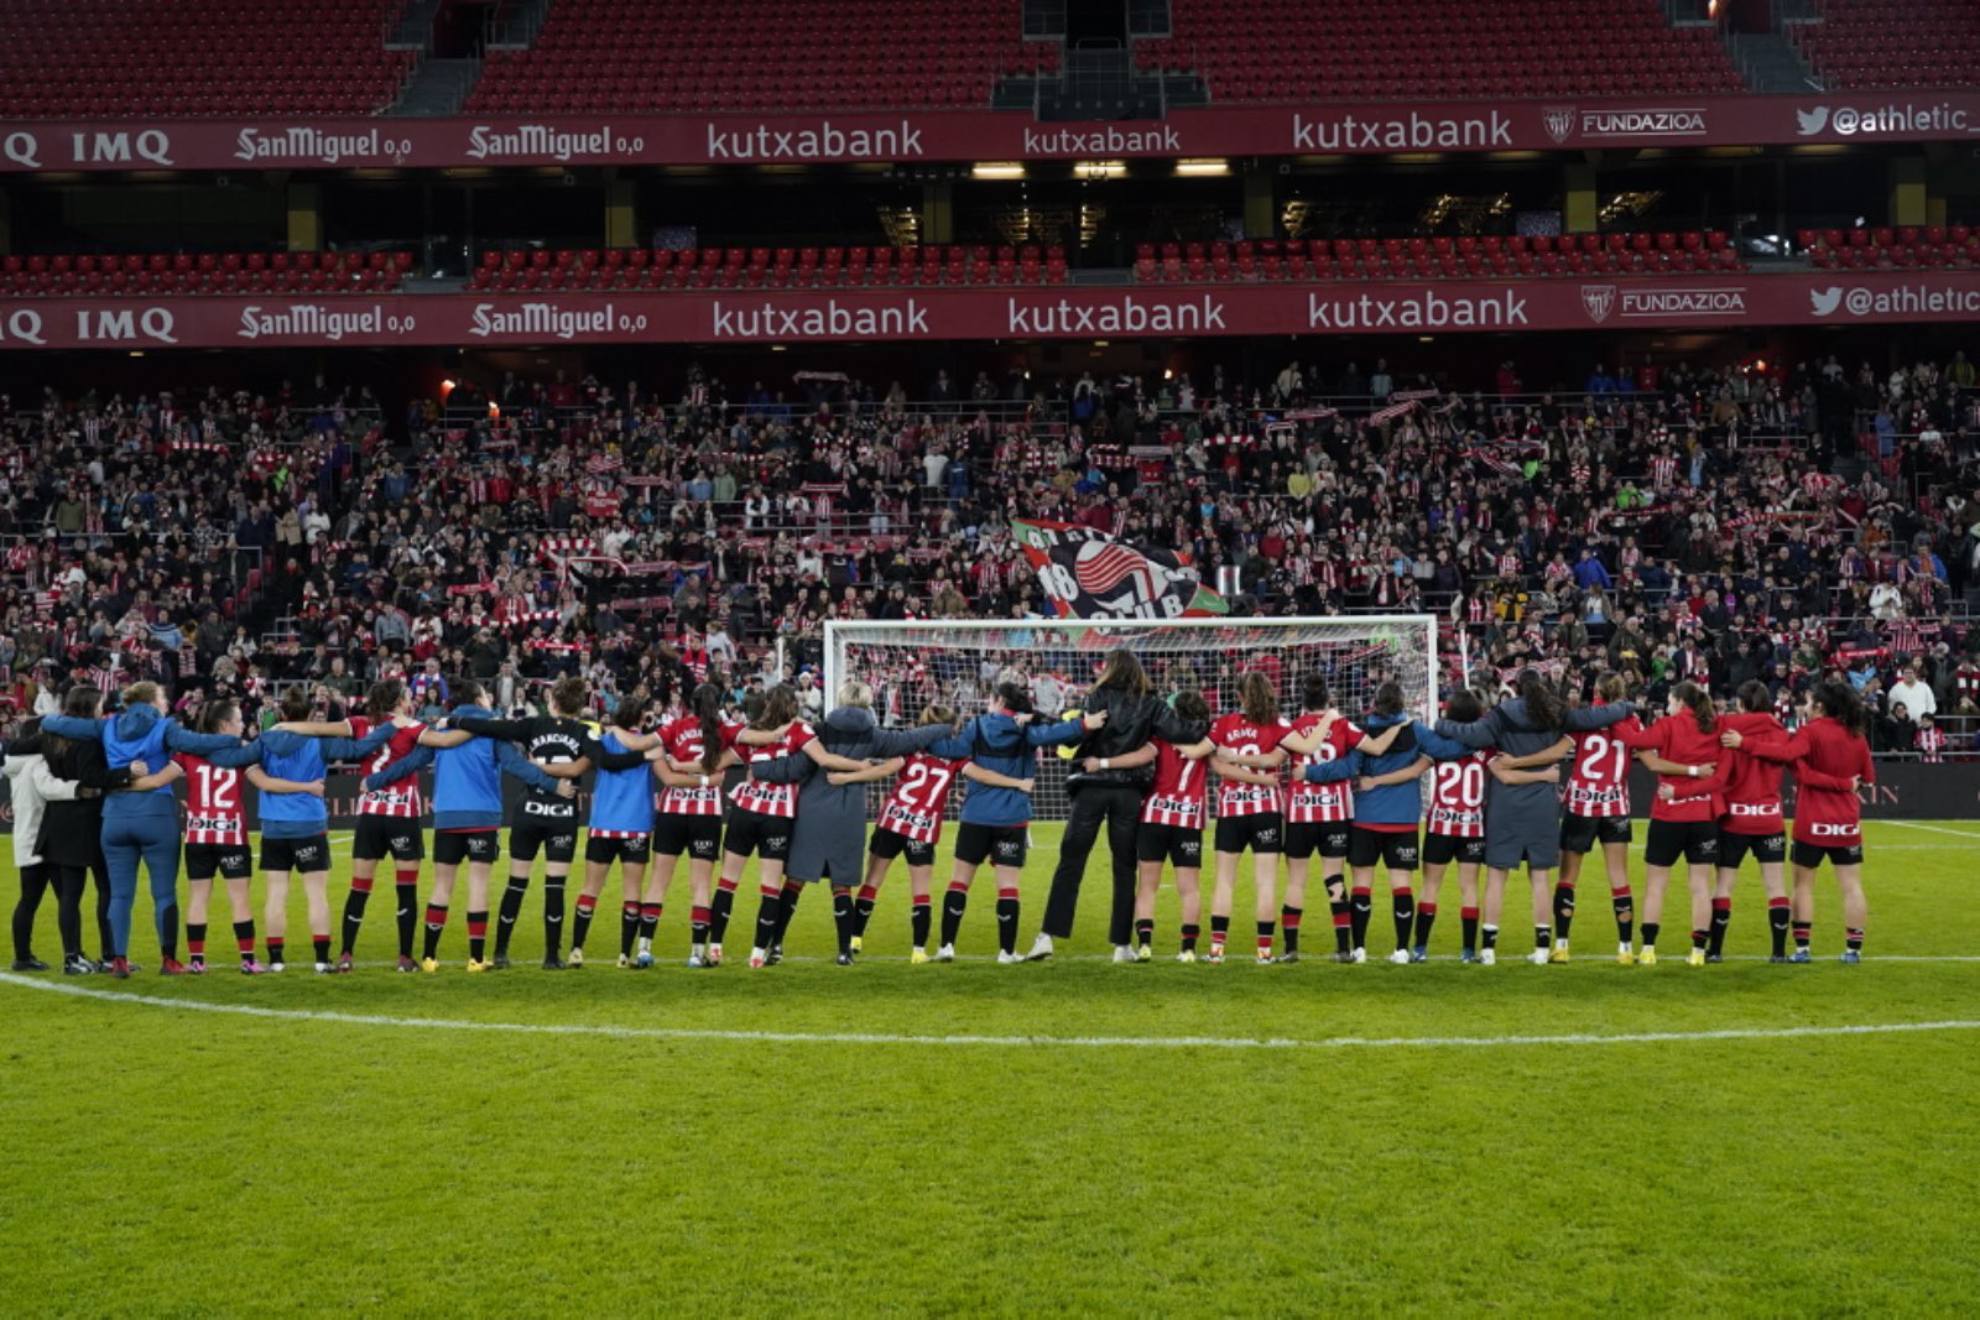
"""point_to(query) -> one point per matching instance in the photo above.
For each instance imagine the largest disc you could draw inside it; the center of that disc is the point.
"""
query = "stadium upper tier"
(1286, 50)
(646, 55)
(1892, 43)
(198, 57)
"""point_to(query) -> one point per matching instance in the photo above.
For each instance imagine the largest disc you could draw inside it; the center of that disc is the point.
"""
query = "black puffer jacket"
(1131, 721)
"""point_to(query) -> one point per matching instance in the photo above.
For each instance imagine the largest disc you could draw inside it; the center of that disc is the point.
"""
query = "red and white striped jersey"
(1178, 795)
(1457, 796)
(779, 800)
(1315, 804)
(214, 813)
(1932, 745)
(921, 794)
(1236, 733)
(400, 800)
(681, 736)
(1598, 785)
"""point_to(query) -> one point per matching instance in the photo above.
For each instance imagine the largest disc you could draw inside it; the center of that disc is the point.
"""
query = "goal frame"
(841, 632)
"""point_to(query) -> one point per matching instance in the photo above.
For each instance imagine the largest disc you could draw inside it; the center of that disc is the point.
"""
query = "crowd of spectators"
(1667, 520)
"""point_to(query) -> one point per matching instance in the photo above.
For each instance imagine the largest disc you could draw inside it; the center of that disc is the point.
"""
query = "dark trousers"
(35, 881)
(1119, 809)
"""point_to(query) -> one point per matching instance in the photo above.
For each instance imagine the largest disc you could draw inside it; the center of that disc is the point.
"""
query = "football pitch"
(1075, 1136)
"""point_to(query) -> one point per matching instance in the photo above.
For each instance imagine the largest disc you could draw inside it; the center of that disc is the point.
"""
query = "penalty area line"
(612, 1032)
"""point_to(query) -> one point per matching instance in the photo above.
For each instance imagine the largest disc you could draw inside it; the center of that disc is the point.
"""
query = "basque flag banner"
(1092, 575)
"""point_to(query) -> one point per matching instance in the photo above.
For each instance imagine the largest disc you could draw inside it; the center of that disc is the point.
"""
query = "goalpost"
(956, 663)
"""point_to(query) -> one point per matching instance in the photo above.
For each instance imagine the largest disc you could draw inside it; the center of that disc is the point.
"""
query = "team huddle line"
(1537, 780)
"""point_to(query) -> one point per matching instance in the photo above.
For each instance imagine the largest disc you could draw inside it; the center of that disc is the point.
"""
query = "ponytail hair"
(382, 701)
(1256, 698)
(1611, 687)
(1544, 707)
(706, 703)
(1838, 700)
(1699, 700)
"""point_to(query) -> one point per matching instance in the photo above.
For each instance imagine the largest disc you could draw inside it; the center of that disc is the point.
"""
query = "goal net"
(957, 663)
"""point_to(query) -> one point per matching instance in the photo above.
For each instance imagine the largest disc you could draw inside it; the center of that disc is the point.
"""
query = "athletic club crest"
(1559, 121)
(1598, 300)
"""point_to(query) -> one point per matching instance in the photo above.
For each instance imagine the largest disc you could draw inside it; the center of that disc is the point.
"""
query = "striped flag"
(1088, 574)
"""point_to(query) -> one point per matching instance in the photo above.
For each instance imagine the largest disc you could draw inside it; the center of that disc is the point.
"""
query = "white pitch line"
(1074, 1042)
(1936, 829)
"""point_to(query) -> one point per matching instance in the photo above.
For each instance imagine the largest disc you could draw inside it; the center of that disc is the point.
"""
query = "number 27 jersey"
(921, 794)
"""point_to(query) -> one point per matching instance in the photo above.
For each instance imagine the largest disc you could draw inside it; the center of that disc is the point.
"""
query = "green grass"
(171, 1162)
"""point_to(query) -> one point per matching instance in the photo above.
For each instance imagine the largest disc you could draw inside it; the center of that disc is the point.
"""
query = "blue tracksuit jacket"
(467, 780)
(1391, 804)
(996, 743)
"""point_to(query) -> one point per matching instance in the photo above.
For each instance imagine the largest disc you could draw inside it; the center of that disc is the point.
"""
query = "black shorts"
(1263, 833)
(1000, 845)
(379, 835)
(452, 847)
(633, 851)
(1812, 855)
(1764, 847)
(1178, 845)
(1395, 849)
(231, 860)
(279, 856)
(1580, 834)
(1443, 849)
(1329, 838)
(768, 837)
(1696, 841)
(700, 837)
(888, 845)
(556, 838)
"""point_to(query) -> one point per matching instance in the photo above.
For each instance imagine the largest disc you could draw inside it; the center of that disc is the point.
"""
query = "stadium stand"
(1665, 253)
(64, 274)
(767, 268)
(1743, 523)
(189, 58)
(1886, 248)
(632, 55)
(1275, 50)
(1891, 43)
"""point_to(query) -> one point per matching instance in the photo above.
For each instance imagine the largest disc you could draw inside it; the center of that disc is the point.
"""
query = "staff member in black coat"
(1110, 796)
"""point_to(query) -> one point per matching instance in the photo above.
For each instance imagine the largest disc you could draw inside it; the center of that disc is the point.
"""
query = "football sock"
(769, 907)
(1144, 932)
(322, 945)
(477, 924)
(1543, 937)
(408, 912)
(1853, 939)
(1007, 919)
(649, 922)
(844, 917)
(953, 905)
(1266, 929)
(697, 927)
(436, 922)
(1624, 904)
(1189, 937)
(1777, 925)
(512, 905)
(1361, 908)
(793, 891)
(628, 927)
(275, 943)
(1343, 923)
(581, 919)
(1289, 918)
(863, 909)
(1426, 917)
(1701, 938)
(553, 915)
(244, 940)
(1469, 917)
(1650, 930)
(354, 905)
(1563, 909)
(1722, 915)
(719, 910)
(1804, 934)
(196, 941)
(1403, 899)
(1220, 928)
(1490, 933)
(918, 916)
